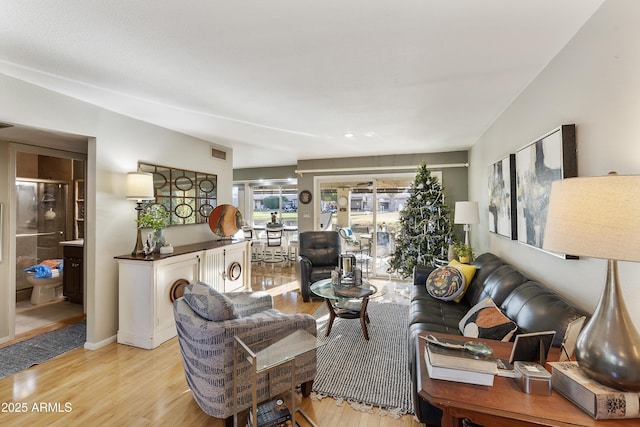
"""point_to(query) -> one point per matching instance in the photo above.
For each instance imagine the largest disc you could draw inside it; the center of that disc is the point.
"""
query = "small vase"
(451, 254)
(465, 259)
(158, 239)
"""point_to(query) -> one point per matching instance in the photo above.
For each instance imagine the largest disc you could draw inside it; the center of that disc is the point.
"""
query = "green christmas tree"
(424, 226)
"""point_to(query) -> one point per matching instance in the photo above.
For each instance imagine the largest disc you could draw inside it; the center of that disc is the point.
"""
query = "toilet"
(45, 289)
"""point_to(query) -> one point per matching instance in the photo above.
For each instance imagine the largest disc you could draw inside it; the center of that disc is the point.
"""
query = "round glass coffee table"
(345, 301)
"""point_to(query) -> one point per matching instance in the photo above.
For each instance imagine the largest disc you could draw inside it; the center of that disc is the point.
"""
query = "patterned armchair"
(207, 322)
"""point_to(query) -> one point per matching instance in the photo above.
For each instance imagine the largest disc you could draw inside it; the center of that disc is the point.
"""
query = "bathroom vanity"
(73, 271)
(149, 284)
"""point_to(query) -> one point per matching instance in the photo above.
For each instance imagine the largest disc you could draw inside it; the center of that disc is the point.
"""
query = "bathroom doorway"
(49, 212)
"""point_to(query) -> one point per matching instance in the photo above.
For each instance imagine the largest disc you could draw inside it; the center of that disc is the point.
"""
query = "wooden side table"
(504, 404)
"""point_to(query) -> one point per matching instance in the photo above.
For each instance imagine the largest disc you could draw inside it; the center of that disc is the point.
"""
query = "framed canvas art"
(547, 159)
(502, 192)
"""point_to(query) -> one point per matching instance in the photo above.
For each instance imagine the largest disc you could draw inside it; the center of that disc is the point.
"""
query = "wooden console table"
(504, 404)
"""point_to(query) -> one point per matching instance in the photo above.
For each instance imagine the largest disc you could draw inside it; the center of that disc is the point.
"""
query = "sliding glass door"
(371, 209)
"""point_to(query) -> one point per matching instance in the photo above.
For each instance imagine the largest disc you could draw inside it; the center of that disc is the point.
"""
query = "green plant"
(154, 216)
(462, 250)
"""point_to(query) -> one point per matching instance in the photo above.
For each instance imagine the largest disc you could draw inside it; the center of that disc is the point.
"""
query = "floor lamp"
(466, 213)
(598, 217)
(139, 188)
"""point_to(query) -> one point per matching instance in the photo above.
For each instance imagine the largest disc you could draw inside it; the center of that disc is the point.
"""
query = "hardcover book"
(599, 401)
(459, 375)
(351, 291)
(460, 359)
(271, 414)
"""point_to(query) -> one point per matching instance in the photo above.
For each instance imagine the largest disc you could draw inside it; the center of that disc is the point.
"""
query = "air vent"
(216, 153)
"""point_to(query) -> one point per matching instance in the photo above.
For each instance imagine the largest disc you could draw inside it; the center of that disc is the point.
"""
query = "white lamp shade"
(595, 217)
(466, 213)
(140, 186)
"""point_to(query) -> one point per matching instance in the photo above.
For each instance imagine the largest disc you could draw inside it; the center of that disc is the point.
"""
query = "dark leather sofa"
(531, 305)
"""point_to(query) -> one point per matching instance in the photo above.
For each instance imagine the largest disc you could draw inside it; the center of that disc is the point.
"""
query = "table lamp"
(598, 217)
(139, 188)
(466, 213)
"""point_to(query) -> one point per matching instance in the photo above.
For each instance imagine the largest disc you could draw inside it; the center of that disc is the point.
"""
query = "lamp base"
(608, 348)
(138, 249)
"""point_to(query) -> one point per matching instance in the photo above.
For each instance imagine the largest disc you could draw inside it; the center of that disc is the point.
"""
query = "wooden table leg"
(364, 317)
(332, 316)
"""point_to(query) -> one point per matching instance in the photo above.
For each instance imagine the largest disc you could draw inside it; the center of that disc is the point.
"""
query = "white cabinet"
(145, 286)
(226, 269)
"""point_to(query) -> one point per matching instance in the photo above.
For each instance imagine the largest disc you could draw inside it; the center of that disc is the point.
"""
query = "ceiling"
(286, 80)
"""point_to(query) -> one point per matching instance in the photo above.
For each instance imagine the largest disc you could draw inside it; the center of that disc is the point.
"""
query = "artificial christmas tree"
(424, 227)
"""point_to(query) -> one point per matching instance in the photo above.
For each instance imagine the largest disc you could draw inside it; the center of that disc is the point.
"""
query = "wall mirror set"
(188, 196)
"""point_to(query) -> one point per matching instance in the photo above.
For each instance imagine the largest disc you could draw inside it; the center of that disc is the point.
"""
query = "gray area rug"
(23, 355)
(367, 374)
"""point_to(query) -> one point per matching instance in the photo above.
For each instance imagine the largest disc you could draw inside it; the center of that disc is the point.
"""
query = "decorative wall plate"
(225, 220)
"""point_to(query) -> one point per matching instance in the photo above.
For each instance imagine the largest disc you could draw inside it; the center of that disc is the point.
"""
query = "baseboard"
(96, 345)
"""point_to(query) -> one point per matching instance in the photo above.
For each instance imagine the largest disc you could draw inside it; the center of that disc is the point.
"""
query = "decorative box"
(533, 378)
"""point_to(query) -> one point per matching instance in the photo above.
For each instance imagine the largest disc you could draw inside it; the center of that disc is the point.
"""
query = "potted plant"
(156, 217)
(464, 252)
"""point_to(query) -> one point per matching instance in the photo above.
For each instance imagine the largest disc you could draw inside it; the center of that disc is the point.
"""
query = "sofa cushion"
(445, 283)
(485, 320)
(497, 285)
(209, 303)
(536, 308)
(468, 271)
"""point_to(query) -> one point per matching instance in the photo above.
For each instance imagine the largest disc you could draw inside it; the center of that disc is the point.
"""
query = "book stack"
(459, 365)
(599, 401)
(352, 291)
(271, 414)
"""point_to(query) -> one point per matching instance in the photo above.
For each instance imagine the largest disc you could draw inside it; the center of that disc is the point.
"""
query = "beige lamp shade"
(466, 213)
(595, 217)
(140, 186)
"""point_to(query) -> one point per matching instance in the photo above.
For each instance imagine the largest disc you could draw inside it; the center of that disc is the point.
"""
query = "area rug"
(373, 375)
(23, 355)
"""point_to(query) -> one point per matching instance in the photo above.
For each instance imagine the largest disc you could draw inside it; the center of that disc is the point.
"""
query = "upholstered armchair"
(208, 321)
(319, 255)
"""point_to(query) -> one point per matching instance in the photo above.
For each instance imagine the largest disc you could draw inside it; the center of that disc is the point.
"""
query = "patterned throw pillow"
(468, 271)
(485, 320)
(209, 303)
(445, 283)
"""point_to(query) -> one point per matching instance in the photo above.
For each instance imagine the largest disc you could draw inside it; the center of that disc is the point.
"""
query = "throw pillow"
(445, 283)
(485, 320)
(468, 271)
(209, 303)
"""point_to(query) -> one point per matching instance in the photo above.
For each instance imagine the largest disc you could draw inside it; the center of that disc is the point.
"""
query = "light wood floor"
(127, 386)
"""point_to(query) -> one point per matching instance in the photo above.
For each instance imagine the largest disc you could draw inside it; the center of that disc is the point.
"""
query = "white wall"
(593, 82)
(117, 144)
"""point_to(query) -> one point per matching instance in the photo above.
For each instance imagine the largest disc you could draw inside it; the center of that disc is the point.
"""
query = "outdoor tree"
(424, 229)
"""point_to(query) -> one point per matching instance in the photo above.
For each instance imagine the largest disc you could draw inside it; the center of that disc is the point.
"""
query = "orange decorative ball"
(225, 220)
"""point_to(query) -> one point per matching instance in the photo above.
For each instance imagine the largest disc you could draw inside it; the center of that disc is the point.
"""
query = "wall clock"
(343, 202)
(305, 197)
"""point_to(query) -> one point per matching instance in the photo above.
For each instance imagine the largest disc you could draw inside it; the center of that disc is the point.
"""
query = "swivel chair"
(319, 256)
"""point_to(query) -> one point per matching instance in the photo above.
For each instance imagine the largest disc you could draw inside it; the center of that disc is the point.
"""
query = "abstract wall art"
(502, 192)
(547, 159)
